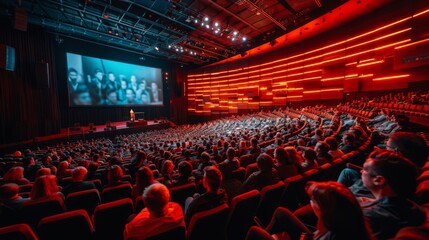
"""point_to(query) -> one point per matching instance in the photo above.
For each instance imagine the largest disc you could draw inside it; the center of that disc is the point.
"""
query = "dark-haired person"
(122, 91)
(333, 148)
(406, 144)
(112, 83)
(185, 174)
(82, 96)
(74, 80)
(159, 216)
(391, 179)
(10, 204)
(143, 179)
(133, 83)
(310, 160)
(144, 97)
(130, 97)
(97, 86)
(114, 176)
(9, 196)
(285, 165)
(142, 89)
(111, 97)
(230, 164)
(156, 93)
(339, 216)
(347, 145)
(266, 174)
(215, 195)
(323, 156)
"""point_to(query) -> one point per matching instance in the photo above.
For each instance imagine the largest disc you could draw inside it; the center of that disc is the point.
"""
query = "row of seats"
(406, 108)
(112, 216)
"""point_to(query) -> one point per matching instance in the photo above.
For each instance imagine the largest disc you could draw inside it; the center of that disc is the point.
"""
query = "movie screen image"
(100, 82)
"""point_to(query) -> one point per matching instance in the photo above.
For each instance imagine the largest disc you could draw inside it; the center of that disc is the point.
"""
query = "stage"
(86, 133)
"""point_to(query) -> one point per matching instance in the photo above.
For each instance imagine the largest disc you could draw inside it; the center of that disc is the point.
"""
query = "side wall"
(386, 50)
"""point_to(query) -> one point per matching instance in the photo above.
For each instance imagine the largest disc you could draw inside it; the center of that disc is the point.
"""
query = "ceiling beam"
(250, 3)
(234, 15)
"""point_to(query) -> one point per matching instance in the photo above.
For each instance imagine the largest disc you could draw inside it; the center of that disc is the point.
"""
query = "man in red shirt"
(159, 216)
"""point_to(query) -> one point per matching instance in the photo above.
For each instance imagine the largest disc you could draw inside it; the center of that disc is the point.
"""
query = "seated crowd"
(229, 157)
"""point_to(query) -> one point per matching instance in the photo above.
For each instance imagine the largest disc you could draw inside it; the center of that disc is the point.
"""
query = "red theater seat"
(17, 232)
(180, 193)
(270, 198)
(66, 226)
(209, 224)
(110, 218)
(87, 200)
(33, 211)
(111, 194)
(243, 210)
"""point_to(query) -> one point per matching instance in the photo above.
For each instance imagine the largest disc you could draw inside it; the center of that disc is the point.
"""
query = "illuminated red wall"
(381, 51)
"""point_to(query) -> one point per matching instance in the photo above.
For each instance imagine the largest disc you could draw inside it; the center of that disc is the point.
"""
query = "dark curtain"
(28, 103)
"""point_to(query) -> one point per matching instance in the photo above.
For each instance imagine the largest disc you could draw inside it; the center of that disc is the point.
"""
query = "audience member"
(167, 172)
(266, 174)
(333, 148)
(338, 212)
(230, 164)
(114, 176)
(285, 165)
(310, 158)
(78, 184)
(15, 175)
(63, 170)
(391, 179)
(322, 151)
(45, 187)
(159, 216)
(9, 196)
(185, 174)
(144, 178)
(215, 195)
(347, 144)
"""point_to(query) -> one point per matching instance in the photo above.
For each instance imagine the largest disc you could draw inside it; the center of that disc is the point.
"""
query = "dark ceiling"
(194, 32)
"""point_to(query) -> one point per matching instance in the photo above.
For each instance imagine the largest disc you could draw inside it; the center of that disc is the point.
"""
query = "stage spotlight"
(206, 19)
(235, 33)
(244, 39)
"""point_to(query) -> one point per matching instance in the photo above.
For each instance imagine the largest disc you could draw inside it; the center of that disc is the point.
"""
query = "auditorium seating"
(209, 224)
(289, 193)
(33, 211)
(68, 226)
(270, 197)
(87, 200)
(17, 232)
(110, 218)
(114, 193)
(180, 193)
(242, 211)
